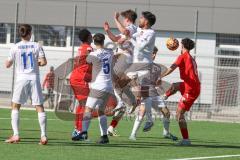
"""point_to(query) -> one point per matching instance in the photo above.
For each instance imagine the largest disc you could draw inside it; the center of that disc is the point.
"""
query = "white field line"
(211, 157)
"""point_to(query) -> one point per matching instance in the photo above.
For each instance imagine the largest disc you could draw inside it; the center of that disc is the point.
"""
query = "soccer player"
(156, 102)
(27, 56)
(79, 79)
(142, 61)
(100, 87)
(189, 88)
(49, 84)
(124, 58)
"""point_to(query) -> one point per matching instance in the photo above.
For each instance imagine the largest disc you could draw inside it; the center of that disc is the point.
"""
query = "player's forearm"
(169, 71)
(121, 28)
(42, 62)
(112, 36)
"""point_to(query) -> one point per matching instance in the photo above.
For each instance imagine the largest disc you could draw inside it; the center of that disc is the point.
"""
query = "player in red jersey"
(80, 77)
(189, 88)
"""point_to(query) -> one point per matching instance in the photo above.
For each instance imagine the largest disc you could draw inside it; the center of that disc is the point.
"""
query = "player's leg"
(103, 126)
(37, 101)
(173, 89)
(19, 97)
(138, 121)
(166, 124)
(149, 120)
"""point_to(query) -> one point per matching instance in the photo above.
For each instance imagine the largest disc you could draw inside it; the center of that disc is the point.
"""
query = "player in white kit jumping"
(27, 56)
(100, 87)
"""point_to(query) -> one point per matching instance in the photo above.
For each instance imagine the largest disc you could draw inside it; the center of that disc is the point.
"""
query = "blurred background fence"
(217, 53)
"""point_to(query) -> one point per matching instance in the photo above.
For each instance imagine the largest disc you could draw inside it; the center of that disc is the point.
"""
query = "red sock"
(168, 93)
(184, 132)
(79, 117)
(114, 123)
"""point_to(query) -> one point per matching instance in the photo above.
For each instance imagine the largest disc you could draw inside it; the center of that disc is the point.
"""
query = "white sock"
(42, 119)
(86, 121)
(15, 122)
(166, 123)
(136, 125)
(103, 125)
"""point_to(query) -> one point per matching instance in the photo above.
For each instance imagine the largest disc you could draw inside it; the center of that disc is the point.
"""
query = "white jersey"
(144, 45)
(26, 55)
(101, 59)
(132, 29)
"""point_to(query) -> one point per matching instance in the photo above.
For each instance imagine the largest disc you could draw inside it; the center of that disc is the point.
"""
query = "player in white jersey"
(27, 56)
(156, 102)
(142, 61)
(100, 87)
(124, 58)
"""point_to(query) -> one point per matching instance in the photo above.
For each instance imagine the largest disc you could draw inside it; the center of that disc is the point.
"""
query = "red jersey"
(82, 70)
(188, 72)
(49, 80)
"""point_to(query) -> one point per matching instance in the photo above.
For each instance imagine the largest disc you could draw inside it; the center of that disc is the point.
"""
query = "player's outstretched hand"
(106, 26)
(159, 82)
(116, 15)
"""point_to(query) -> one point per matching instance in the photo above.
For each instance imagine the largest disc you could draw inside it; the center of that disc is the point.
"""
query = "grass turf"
(208, 139)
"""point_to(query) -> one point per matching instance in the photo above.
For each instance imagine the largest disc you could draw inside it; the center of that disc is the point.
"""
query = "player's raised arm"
(42, 61)
(107, 29)
(120, 26)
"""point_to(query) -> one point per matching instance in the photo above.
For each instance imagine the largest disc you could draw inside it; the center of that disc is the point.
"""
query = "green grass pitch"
(208, 139)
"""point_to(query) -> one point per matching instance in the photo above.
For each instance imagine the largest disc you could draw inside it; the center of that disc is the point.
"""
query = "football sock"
(15, 121)
(103, 124)
(114, 123)
(86, 121)
(166, 123)
(42, 119)
(136, 125)
(184, 132)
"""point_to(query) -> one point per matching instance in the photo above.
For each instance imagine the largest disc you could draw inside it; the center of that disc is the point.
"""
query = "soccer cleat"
(76, 135)
(148, 126)
(184, 142)
(43, 140)
(132, 138)
(84, 136)
(170, 136)
(13, 139)
(119, 113)
(112, 132)
(103, 140)
(119, 107)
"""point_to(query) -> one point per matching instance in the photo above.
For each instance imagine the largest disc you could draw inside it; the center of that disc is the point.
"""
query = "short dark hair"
(188, 43)
(84, 35)
(150, 17)
(155, 50)
(129, 14)
(98, 39)
(24, 30)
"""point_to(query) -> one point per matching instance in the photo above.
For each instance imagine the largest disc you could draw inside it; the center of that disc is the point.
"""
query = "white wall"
(206, 47)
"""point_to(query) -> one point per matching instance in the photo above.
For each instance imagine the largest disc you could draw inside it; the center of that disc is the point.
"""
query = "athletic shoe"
(170, 136)
(103, 140)
(84, 136)
(43, 140)
(148, 126)
(132, 138)
(122, 106)
(184, 142)
(13, 139)
(112, 132)
(119, 113)
(76, 135)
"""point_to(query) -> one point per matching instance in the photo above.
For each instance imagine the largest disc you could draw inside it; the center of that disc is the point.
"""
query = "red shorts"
(187, 99)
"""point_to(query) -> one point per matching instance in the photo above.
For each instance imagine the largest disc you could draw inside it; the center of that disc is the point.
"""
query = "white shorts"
(25, 89)
(154, 102)
(97, 99)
